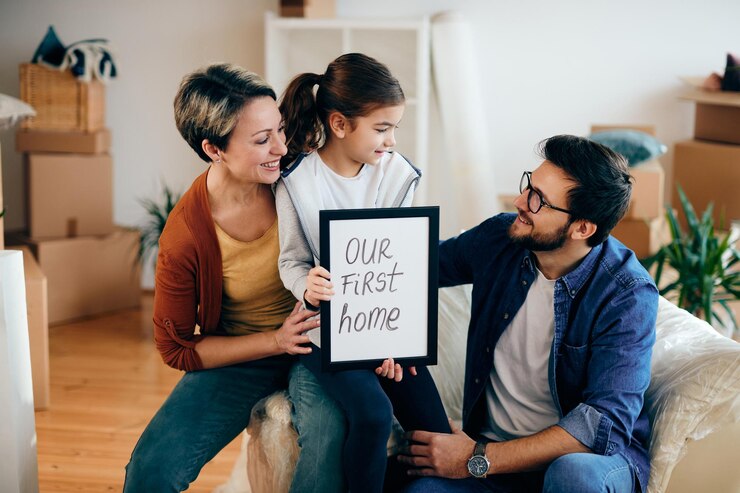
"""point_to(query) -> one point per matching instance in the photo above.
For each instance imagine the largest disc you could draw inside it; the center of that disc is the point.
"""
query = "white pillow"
(694, 389)
(13, 110)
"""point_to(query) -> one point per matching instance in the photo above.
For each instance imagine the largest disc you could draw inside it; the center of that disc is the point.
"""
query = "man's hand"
(439, 454)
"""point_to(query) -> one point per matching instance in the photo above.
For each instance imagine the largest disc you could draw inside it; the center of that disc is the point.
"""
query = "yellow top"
(254, 298)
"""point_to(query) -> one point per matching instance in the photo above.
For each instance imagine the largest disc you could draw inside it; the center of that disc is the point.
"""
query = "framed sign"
(383, 265)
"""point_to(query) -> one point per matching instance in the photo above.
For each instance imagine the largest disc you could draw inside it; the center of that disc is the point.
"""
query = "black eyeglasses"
(535, 200)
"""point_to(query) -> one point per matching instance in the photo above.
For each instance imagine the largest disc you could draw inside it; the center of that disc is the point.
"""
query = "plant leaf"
(157, 213)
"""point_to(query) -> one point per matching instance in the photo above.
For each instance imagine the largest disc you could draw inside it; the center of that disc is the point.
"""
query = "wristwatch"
(478, 464)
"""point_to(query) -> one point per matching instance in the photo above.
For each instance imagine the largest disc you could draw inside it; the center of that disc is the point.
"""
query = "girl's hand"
(318, 286)
(394, 372)
(390, 370)
(290, 337)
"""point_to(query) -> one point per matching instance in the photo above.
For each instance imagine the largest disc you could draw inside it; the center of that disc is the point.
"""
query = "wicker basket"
(61, 101)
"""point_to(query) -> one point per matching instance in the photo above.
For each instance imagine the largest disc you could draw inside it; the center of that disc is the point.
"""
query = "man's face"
(548, 229)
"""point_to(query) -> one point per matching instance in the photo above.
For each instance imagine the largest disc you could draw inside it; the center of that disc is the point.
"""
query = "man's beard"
(539, 242)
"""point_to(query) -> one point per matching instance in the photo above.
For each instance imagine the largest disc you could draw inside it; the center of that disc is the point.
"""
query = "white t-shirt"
(518, 390)
(357, 192)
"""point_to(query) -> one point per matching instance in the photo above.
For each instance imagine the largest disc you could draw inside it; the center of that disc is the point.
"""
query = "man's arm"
(617, 376)
(443, 455)
(618, 372)
(455, 259)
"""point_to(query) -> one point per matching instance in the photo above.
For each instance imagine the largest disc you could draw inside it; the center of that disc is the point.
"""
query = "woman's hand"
(318, 286)
(393, 371)
(290, 338)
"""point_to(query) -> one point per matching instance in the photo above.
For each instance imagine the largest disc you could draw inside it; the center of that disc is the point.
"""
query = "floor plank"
(107, 381)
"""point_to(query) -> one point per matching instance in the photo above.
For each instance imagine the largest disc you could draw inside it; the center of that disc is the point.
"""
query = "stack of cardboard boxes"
(644, 228)
(89, 264)
(708, 167)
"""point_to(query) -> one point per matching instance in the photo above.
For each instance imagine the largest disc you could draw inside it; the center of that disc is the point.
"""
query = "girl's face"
(369, 137)
(257, 143)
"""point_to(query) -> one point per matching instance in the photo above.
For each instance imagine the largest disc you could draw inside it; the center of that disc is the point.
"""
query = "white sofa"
(694, 396)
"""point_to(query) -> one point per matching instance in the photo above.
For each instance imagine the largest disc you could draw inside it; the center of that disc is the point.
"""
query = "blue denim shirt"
(605, 311)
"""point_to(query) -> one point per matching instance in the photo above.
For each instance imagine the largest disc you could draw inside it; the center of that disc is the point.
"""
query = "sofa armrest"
(694, 388)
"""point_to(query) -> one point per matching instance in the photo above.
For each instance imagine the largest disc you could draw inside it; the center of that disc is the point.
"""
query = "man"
(559, 343)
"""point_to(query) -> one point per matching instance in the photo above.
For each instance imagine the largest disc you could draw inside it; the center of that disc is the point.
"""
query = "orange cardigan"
(188, 279)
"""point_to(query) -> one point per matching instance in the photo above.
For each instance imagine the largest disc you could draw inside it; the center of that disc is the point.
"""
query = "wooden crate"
(61, 101)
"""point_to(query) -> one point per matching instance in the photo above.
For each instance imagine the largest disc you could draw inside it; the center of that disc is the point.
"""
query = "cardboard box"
(38, 327)
(708, 172)
(717, 123)
(647, 200)
(717, 115)
(89, 275)
(506, 202)
(643, 236)
(73, 141)
(309, 9)
(69, 195)
(648, 129)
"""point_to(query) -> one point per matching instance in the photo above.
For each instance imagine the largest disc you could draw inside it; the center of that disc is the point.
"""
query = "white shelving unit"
(295, 45)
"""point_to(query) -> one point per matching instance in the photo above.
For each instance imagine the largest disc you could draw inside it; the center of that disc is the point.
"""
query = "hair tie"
(320, 79)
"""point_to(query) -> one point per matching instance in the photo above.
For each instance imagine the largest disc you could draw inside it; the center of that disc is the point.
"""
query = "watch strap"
(480, 448)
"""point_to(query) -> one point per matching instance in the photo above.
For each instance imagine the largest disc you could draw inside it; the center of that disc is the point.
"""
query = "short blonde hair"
(209, 100)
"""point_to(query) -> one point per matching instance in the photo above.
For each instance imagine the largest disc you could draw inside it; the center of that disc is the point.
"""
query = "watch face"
(478, 466)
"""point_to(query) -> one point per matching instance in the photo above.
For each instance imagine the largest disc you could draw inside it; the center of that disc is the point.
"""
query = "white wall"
(547, 68)
(551, 67)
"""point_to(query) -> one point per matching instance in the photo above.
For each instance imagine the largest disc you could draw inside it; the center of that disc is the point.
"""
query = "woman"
(217, 268)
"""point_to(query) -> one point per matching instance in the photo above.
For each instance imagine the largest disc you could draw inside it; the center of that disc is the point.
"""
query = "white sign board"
(383, 265)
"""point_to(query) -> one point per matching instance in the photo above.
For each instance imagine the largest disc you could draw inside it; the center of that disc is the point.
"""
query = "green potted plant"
(158, 210)
(705, 263)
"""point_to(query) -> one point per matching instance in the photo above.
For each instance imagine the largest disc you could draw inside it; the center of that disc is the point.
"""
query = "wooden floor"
(107, 381)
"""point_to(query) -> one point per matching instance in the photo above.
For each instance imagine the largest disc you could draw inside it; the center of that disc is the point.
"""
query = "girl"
(339, 157)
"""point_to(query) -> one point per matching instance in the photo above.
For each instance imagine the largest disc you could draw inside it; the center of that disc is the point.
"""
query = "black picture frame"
(395, 218)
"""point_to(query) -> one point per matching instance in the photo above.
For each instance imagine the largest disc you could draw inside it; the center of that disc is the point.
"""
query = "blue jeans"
(207, 409)
(322, 428)
(573, 473)
(369, 403)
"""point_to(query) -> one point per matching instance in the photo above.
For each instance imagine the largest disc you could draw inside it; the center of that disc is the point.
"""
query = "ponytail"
(303, 127)
(354, 85)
